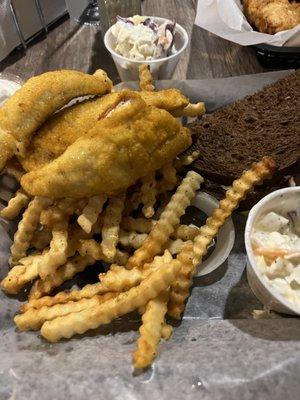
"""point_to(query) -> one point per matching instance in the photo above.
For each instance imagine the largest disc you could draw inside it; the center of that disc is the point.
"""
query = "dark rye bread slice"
(265, 123)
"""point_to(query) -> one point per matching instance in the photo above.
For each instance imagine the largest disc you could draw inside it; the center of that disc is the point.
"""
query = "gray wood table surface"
(71, 45)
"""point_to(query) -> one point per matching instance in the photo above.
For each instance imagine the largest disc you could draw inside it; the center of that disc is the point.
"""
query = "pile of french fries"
(151, 257)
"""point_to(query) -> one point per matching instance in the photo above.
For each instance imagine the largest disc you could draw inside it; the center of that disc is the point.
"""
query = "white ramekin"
(224, 240)
(285, 200)
(162, 68)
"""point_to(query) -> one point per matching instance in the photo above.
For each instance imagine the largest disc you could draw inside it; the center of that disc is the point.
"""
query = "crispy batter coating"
(132, 141)
(65, 127)
(62, 129)
(272, 16)
(39, 98)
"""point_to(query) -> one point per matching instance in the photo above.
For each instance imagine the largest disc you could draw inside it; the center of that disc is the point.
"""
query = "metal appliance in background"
(21, 21)
(102, 12)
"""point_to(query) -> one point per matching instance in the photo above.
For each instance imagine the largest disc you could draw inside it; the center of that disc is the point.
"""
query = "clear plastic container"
(162, 68)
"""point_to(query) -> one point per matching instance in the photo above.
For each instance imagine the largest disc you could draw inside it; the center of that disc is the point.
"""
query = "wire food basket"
(278, 57)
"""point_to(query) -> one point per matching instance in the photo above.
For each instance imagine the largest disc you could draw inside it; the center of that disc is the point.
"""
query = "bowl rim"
(180, 28)
(250, 255)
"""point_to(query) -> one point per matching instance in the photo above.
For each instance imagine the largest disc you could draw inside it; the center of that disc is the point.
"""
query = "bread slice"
(265, 123)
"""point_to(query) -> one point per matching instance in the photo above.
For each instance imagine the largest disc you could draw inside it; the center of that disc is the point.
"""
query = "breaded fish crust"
(130, 142)
(41, 96)
(272, 16)
(66, 126)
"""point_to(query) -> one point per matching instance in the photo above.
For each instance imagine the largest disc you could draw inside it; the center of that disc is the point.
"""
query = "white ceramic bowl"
(162, 68)
(281, 200)
(225, 238)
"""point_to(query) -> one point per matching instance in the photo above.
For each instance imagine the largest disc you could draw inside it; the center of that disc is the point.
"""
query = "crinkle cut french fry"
(72, 267)
(51, 216)
(180, 287)
(68, 205)
(15, 205)
(146, 79)
(91, 211)
(191, 110)
(93, 249)
(111, 225)
(175, 246)
(117, 279)
(26, 228)
(148, 194)
(182, 161)
(41, 238)
(21, 274)
(150, 331)
(169, 178)
(80, 322)
(34, 318)
(143, 225)
(166, 331)
(169, 219)
(86, 292)
(120, 279)
(234, 195)
(57, 255)
(132, 239)
(240, 187)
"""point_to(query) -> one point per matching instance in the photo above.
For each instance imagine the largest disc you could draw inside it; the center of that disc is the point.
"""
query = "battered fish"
(39, 98)
(66, 126)
(272, 16)
(132, 141)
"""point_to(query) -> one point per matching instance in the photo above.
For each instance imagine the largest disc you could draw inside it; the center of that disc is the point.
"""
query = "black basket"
(276, 57)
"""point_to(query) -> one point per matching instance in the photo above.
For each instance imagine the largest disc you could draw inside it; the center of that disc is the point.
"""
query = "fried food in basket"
(39, 98)
(128, 152)
(132, 141)
(272, 16)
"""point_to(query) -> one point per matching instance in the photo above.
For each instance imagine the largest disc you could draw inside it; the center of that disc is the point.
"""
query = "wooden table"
(71, 45)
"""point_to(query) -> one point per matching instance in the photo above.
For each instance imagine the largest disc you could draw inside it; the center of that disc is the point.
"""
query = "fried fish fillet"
(131, 141)
(66, 126)
(272, 16)
(39, 98)
(63, 129)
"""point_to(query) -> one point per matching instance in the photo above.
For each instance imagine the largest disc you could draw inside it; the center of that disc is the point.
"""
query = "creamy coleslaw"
(140, 38)
(275, 241)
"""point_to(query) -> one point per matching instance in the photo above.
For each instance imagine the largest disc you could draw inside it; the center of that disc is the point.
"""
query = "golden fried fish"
(272, 16)
(39, 98)
(66, 126)
(129, 142)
